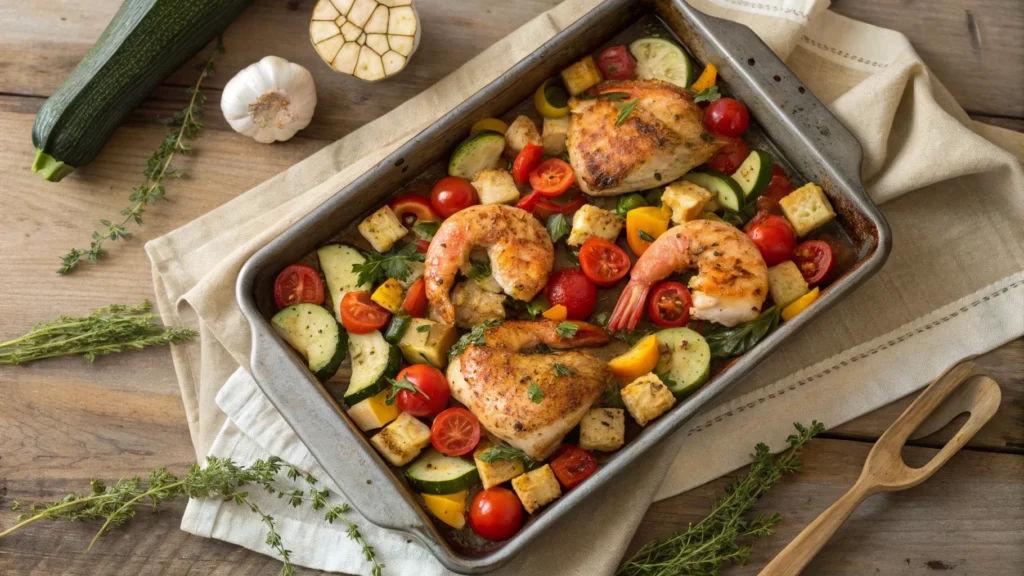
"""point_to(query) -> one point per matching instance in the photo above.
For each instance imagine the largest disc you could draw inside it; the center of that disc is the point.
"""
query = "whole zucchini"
(145, 42)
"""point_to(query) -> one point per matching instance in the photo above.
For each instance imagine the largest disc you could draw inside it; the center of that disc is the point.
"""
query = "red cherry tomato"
(571, 288)
(433, 391)
(415, 302)
(616, 63)
(573, 465)
(814, 259)
(422, 246)
(728, 158)
(298, 283)
(778, 187)
(727, 116)
(455, 431)
(552, 177)
(545, 208)
(452, 194)
(529, 202)
(527, 159)
(413, 208)
(603, 263)
(669, 306)
(495, 514)
(773, 235)
(360, 314)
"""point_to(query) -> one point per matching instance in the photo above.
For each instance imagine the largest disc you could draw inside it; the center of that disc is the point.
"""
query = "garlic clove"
(370, 67)
(329, 48)
(325, 11)
(393, 62)
(401, 44)
(402, 21)
(369, 39)
(322, 30)
(361, 12)
(378, 43)
(345, 61)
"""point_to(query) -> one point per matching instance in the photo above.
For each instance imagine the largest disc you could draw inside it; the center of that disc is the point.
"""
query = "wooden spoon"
(885, 470)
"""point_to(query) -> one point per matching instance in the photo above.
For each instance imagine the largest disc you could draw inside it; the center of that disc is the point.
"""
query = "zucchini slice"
(687, 364)
(660, 59)
(728, 193)
(397, 328)
(754, 174)
(315, 334)
(481, 151)
(435, 473)
(374, 361)
(336, 261)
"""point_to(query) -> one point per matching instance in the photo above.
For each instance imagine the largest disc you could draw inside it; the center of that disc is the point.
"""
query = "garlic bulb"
(369, 39)
(269, 100)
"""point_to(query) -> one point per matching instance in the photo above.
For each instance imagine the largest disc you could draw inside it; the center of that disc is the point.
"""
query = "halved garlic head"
(369, 39)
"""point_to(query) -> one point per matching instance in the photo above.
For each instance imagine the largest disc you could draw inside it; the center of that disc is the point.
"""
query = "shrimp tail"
(630, 306)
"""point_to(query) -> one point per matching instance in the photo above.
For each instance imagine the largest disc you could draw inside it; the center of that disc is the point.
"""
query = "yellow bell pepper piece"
(798, 305)
(558, 312)
(492, 124)
(374, 412)
(651, 220)
(448, 508)
(706, 79)
(543, 96)
(637, 361)
(389, 295)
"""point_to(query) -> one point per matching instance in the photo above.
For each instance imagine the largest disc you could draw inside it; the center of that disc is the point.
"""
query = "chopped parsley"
(562, 370)
(601, 319)
(566, 330)
(709, 94)
(392, 264)
(402, 384)
(535, 393)
(478, 270)
(474, 337)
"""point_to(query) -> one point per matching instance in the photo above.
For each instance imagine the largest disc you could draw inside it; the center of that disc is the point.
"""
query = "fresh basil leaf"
(425, 230)
(505, 453)
(573, 257)
(709, 94)
(729, 342)
(558, 227)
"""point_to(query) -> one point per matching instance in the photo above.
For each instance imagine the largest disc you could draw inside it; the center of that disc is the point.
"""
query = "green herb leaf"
(558, 227)
(734, 218)
(423, 328)
(562, 370)
(505, 453)
(606, 96)
(478, 270)
(573, 257)
(402, 384)
(728, 342)
(707, 137)
(474, 337)
(627, 109)
(537, 306)
(425, 230)
(645, 236)
(629, 202)
(601, 319)
(709, 94)
(392, 264)
(534, 393)
(612, 397)
(566, 330)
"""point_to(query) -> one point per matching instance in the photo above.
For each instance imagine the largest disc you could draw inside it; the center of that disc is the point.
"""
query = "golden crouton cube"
(807, 209)
(554, 134)
(497, 472)
(646, 398)
(537, 488)
(590, 221)
(495, 187)
(402, 440)
(686, 200)
(603, 429)
(786, 283)
(521, 131)
(382, 229)
(581, 75)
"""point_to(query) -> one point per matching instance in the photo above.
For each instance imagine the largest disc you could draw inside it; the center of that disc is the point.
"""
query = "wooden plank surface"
(63, 422)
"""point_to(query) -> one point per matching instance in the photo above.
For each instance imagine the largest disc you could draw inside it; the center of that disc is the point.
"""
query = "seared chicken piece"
(500, 385)
(662, 138)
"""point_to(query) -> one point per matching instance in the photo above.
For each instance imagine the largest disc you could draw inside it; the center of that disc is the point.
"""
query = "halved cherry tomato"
(604, 263)
(729, 157)
(452, 194)
(360, 314)
(433, 391)
(814, 259)
(552, 177)
(415, 302)
(571, 288)
(495, 514)
(573, 465)
(778, 187)
(616, 64)
(527, 159)
(546, 208)
(298, 283)
(727, 116)
(422, 246)
(455, 432)
(529, 201)
(773, 235)
(669, 306)
(413, 208)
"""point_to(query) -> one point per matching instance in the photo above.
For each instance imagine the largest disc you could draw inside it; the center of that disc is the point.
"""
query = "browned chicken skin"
(661, 139)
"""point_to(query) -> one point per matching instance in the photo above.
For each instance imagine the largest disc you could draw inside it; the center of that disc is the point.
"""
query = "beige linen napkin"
(954, 197)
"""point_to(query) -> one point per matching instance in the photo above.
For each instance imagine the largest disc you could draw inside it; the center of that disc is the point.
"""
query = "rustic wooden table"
(63, 422)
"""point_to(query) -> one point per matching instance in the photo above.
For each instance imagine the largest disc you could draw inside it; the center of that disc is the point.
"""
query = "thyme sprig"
(183, 125)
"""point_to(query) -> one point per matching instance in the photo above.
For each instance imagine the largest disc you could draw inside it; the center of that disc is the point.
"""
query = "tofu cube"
(521, 131)
(474, 305)
(603, 429)
(590, 221)
(581, 75)
(402, 440)
(389, 295)
(382, 229)
(807, 209)
(686, 200)
(497, 472)
(537, 488)
(495, 187)
(786, 283)
(646, 398)
(554, 134)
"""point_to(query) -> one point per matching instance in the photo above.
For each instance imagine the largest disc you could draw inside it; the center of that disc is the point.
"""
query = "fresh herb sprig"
(392, 264)
(183, 125)
(403, 384)
(534, 393)
(707, 545)
(505, 453)
(479, 270)
(108, 330)
(728, 342)
(474, 337)
(626, 109)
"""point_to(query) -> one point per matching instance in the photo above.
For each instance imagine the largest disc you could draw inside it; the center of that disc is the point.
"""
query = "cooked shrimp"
(731, 282)
(517, 245)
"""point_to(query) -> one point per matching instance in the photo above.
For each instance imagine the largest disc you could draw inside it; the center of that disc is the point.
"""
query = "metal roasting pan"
(792, 122)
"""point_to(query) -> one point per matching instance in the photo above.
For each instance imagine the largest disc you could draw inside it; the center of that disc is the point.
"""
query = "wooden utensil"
(885, 470)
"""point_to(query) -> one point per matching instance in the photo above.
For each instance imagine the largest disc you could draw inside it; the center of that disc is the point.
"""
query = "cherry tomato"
(545, 208)
(814, 259)
(573, 465)
(529, 202)
(616, 63)
(415, 302)
(422, 246)
(778, 187)
(773, 235)
(298, 283)
(527, 159)
(552, 177)
(452, 194)
(571, 288)
(495, 514)
(433, 391)
(729, 157)
(360, 314)
(413, 208)
(455, 431)
(604, 263)
(727, 116)
(669, 306)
